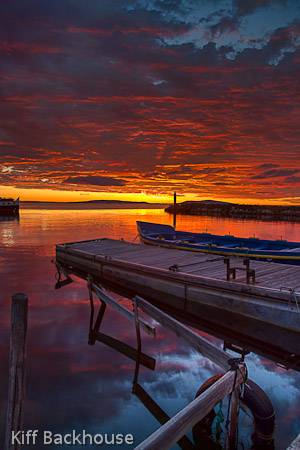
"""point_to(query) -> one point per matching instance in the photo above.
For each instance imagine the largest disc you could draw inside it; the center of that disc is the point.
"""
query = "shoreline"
(89, 206)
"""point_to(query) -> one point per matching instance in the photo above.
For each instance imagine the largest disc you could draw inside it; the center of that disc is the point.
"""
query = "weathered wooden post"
(19, 312)
(233, 419)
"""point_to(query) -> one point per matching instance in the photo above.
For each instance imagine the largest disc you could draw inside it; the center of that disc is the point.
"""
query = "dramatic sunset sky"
(133, 99)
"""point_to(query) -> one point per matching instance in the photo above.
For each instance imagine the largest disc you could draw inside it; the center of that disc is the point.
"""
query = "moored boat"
(9, 207)
(253, 248)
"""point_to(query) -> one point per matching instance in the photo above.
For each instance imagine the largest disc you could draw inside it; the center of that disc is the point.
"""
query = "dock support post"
(14, 418)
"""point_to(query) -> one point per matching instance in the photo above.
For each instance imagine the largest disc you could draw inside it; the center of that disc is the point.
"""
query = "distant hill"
(91, 204)
(115, 201)
(92, 201)
(235, 210)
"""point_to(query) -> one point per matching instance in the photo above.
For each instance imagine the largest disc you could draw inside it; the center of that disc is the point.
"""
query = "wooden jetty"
(266, 292)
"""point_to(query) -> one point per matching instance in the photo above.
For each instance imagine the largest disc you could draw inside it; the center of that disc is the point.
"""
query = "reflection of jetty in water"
(277, 344)
(225, 388)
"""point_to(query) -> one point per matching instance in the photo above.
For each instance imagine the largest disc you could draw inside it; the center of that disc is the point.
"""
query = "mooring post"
(16, 387)
(233, 420)
(234, 404)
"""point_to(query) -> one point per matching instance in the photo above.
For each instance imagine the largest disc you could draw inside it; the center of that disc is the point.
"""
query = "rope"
(176, 267)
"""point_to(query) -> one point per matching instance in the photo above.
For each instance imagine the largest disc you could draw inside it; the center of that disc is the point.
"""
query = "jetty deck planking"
(268, 274)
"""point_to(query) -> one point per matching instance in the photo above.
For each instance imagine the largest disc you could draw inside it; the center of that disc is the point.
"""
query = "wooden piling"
(14, 418)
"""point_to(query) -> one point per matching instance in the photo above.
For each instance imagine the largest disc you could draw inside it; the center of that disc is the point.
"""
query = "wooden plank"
(202, 262)
(295, 445)
(161, 260)
(128, 251)
(231, 443)
(218, 273)
(203, 346)
(16, 388)
(120, 308)
(105, 246)
(206, 267)
(169, 433)
(216, 268)
(67, 244)
(281, 284)
(130, 246)
(272, 272)
(165, 261)
(290, 280)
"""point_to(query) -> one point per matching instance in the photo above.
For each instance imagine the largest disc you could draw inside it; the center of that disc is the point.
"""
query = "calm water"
(71, 385)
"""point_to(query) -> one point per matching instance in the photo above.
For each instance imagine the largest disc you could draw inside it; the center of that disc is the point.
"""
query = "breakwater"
(234, 210)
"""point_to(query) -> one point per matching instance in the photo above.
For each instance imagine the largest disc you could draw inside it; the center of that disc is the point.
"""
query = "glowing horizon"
(48, 195)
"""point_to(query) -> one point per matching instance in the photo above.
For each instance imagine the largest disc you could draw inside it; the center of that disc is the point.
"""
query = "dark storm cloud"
(94, 180)
(224, 25)
(292, 179)
(245, 7)
(272, 173)
(267, 166)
